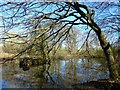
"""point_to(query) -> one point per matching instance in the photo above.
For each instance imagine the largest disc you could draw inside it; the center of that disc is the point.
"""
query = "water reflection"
(62, 73)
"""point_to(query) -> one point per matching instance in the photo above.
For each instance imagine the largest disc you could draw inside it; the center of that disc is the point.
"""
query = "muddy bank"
(102, 84)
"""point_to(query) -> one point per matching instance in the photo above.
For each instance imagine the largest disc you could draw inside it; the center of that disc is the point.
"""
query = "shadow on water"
(61, 74)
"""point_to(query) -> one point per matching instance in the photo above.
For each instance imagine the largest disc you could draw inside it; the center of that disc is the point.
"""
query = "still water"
(61, 74)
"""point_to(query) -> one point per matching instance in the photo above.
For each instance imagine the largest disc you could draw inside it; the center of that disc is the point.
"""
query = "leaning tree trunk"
(107, 50)
(103, 42)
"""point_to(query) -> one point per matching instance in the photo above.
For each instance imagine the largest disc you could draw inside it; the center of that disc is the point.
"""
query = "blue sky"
(102, 15)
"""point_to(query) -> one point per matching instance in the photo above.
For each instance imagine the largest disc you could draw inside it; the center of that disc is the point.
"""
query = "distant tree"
(71, 41)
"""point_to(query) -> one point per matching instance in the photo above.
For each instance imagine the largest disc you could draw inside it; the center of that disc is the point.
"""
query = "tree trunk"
(109, 56)
(107, 50)
(103, 42)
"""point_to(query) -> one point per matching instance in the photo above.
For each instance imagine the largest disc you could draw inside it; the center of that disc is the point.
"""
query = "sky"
(15, 30)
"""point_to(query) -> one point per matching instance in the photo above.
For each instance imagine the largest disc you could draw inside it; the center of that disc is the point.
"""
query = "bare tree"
(57, 16)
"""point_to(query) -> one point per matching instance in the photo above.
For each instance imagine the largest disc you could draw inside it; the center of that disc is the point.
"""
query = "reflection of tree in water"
(55, 74)
(71, 70)
(61, 73)
(35, 77)
(94, 69)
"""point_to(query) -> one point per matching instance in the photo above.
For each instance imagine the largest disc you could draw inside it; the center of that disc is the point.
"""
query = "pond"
(61, 74)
